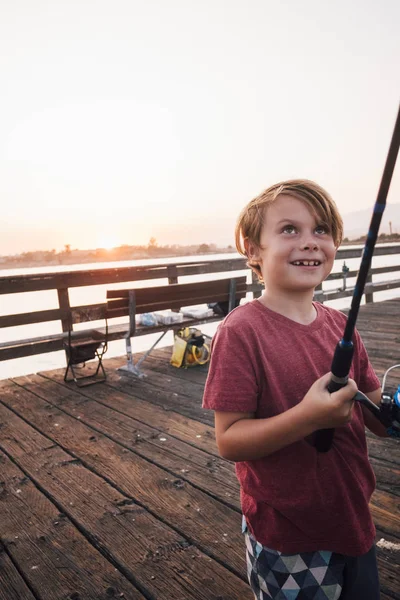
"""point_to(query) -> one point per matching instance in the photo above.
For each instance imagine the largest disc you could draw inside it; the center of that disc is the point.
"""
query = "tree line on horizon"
(119, 253)
(382, 237)
(132, 252)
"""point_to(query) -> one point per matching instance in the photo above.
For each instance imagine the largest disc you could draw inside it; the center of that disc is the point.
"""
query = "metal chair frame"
(78, 353)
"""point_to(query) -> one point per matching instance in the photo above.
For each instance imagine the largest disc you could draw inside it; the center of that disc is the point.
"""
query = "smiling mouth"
(306, 263)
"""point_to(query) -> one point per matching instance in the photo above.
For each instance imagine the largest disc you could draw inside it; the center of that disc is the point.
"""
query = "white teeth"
(306, 263)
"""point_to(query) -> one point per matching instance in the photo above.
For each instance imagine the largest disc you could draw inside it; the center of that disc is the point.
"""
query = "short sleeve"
(367, 378)
(232, 378)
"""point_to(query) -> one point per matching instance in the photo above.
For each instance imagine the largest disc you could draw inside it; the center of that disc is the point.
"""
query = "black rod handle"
(340, 373)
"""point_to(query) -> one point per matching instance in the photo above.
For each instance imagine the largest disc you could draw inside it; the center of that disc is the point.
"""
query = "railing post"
(173, 278)
(319, 289)
(63, 303)
(370, 296)
(172, 274)
(254, 279)
(66, 319)
(232, 294)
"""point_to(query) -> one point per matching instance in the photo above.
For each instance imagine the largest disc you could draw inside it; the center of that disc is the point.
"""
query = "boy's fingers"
(326, 378)
(347, 392)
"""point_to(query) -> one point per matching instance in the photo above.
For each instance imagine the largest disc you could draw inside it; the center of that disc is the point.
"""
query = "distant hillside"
(357, 223)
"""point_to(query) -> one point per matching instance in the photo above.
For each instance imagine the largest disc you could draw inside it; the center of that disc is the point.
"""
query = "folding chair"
(81, 350)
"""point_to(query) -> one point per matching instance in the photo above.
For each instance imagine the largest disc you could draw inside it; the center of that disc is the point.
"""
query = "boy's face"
(296, 251)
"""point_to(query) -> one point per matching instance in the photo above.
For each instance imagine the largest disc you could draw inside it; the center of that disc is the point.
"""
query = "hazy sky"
(124, 120)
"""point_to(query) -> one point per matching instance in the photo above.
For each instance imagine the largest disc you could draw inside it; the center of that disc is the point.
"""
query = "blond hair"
(251, 219)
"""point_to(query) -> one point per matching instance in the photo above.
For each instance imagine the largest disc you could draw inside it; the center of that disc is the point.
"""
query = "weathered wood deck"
(117, 490)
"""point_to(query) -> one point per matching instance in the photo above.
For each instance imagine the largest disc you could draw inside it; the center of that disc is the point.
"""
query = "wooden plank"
(381, 450)
(121, 309)
(179, 290)
(12, 586)
(388, 574)
(186, 461)
(200, 518)
(67, 279)
(385, 508)
(30, 347)
(159, 390)
(380, 250)
(212, 266)
(191, 391)
(387, 474)
(80, 314)
(145, 549)
(354, 273)
(192, 431)
(88, 277)
(39, 316)
(56, 560)
(159, 362)
(172, 296)
(328, 295)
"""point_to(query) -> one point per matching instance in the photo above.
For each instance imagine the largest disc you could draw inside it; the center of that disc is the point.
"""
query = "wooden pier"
(117, 490)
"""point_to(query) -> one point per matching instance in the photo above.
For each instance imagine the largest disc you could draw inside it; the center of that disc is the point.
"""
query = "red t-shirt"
(297, 499)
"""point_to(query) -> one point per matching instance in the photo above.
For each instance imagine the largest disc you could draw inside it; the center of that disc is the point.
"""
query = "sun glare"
(108, 243)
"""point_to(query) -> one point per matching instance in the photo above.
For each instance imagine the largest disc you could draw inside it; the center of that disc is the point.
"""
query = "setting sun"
(108, 243)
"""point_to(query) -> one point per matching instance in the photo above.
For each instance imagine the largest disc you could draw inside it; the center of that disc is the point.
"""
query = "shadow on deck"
(117, 490)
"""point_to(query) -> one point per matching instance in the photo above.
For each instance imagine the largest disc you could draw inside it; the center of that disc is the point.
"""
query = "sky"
(126, 120)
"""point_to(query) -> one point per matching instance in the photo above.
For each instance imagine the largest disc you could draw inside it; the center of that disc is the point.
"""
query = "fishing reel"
(388, 412)
(390, 407)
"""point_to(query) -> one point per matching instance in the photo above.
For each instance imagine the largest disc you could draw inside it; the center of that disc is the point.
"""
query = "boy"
(308, 528)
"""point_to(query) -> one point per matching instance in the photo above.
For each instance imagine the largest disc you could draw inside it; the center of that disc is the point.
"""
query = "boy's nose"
(309, 245)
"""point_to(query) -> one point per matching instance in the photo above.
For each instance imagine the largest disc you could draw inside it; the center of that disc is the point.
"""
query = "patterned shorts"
(307, 576)
(320, 575)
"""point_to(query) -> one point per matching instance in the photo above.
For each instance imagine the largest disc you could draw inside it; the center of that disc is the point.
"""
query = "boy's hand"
(327, 410)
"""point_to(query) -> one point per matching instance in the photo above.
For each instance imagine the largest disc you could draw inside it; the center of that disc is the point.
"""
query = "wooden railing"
(66, 314)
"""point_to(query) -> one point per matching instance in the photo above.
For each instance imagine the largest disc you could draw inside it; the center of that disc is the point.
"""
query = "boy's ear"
(252, 250)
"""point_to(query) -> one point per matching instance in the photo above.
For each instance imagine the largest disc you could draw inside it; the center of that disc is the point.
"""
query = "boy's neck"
(297, 307)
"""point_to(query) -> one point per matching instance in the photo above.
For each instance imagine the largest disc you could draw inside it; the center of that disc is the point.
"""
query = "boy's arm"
(242, 437)
(370, 421)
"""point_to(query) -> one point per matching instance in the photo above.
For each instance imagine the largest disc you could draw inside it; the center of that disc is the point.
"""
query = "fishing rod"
(389, 410)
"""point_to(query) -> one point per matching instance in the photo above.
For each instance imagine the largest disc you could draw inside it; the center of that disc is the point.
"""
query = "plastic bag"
(147, 319)
(169, 318)
(198, 313)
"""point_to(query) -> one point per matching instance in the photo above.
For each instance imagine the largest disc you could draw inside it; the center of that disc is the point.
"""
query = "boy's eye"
(289, 229)
(321, 229)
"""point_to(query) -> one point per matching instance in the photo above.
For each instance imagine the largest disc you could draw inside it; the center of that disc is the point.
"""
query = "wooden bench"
(132, 302)
(82, 345)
